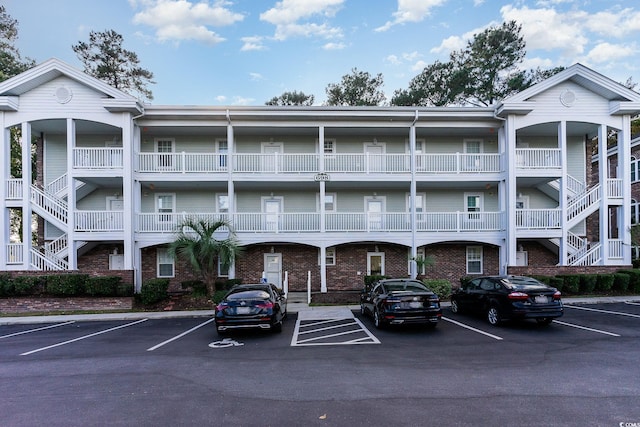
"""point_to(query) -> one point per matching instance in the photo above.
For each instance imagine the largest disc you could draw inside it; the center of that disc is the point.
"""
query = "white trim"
(158, 263)
(481, 259)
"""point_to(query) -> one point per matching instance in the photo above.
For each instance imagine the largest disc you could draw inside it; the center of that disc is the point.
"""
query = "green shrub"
(102, 286)
(198, 287)
(218, 295)
(66, 285)
(226, 284)
(154, 290)
(621, 282)
(124, 290)
(605, 282)
(634, 282)
(440, 287)
(556, 282)
(570, 283)
(5, 282)
(27, 285)
(588, 283)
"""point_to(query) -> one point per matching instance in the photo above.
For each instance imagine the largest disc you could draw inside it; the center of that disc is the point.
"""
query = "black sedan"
(508, 297)
(400, 301)
(262, 306)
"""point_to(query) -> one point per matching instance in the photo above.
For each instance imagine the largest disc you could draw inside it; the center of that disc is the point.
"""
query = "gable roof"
(11, 89)
(622, 100)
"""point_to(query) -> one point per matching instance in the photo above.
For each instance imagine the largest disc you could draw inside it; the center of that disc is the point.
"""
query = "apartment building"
(318, 196)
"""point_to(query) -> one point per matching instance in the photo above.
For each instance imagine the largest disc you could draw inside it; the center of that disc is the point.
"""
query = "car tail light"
(266, 304)
(557, 295)
(222, 306)
(518, 296)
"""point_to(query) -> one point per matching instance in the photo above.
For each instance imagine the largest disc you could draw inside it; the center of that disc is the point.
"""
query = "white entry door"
(273, 269)
(272, 210)
(375, 209)
(272, 157)
(376, 160)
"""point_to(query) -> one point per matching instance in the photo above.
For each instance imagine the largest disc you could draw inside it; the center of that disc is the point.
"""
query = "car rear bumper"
(537, 314)
(400, 318)
(227, 324)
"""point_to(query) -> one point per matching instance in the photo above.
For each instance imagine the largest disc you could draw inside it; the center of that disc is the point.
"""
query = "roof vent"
(63, 94)
(568, 98)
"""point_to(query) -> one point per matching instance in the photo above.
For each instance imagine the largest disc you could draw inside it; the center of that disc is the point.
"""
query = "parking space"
(583, 322)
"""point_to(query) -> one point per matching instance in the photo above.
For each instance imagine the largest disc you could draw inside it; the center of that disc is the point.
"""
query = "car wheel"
(454, 306)
(493, 316)
(277, 327)
(544, 320)
(377, 320)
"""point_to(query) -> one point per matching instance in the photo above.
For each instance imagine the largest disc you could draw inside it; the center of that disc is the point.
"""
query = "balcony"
(98, 158)
(538, 159)
(334, 222)
(310, 163)
(99, 221)
(538, 219)
(14, 189)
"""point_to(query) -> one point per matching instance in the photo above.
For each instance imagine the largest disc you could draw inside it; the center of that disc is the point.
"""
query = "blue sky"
(244, 52)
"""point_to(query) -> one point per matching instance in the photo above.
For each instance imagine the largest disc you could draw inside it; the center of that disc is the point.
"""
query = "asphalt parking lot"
(581, 370)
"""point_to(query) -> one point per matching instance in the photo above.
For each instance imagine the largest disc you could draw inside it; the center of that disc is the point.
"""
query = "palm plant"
(196, 243)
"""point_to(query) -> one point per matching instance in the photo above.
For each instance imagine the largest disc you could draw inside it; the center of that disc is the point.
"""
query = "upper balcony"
(311, 163)
(97, 160)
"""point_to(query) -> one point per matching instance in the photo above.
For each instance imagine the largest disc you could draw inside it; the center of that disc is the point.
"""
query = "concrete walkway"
(304, 312)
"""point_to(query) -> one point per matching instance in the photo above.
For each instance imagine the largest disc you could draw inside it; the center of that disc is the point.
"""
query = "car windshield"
(405, 286)
(520, 282)
(248, 294)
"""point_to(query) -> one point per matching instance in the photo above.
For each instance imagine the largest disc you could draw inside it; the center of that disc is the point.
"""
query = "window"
(223, 271)
(635, 212)
(473, 205)
(473, 146)
(222, 148)
(474, 259)
(635, 176)
(330, 202)
(329, 146)
(165, 149)
(222, 203)
(420, 199)
(165, 263)
(165, 205)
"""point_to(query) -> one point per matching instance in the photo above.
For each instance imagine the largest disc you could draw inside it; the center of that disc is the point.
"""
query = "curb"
(291, 308)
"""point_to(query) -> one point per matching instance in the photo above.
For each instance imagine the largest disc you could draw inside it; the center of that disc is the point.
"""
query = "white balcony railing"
(616, 248)
(14, 189)
(292, 163)
(14, 253)
(614, 188)
(99, 220)
(538, 158)
(98, 158)
(334, 222)
(533, 219)
(457, 163)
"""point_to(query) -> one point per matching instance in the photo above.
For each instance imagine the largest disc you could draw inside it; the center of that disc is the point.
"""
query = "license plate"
(415, 304)
(541, 299)
(243, 310)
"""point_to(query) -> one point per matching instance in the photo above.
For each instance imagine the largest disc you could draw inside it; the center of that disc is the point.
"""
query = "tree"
(485, 71)
(356, 89)
(291, 98)
(196, 243)
(429, 88)
(105, 58)
(11, 62)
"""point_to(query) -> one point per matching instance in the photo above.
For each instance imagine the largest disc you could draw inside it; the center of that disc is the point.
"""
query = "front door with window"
(375, 207)
(375, 264)
(272, 209)
(375, 157)
(271, 156)
(273, 269)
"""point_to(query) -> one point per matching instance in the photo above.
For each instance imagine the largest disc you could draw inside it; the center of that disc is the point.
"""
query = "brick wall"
(451, 261)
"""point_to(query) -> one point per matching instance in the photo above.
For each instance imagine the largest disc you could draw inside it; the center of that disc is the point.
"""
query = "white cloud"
(617, 24)
(334, 46)
(252, 43)
(256, 77)
(393, 60)
(294, 18)
(238, 100)
(221, 98)
(452, 43)
(606, 52)
(177, 20)
(547, 29)
(477, 3)
(419, 66)
(411, 11)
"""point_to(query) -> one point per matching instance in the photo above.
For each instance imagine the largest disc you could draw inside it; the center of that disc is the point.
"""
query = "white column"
(562, 145)
(130, 194)
(624, 169)
(71, 198)
(26, 189)
(503, 205)
(5, 173)
(412, 200)
(603, 175)
(511, 190)
(323, 269)
(137, 273)
(230, 184)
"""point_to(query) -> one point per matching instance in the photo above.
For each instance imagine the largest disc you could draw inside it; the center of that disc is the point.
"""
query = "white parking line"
(585, 328)
(295, 342)
(495, 337)
(604, 311)
(37, 329)
(83, 337)
(181, 335)
(632, 303)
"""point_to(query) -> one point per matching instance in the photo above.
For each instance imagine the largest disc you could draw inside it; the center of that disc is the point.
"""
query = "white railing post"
(285, 285)
(308, 287)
